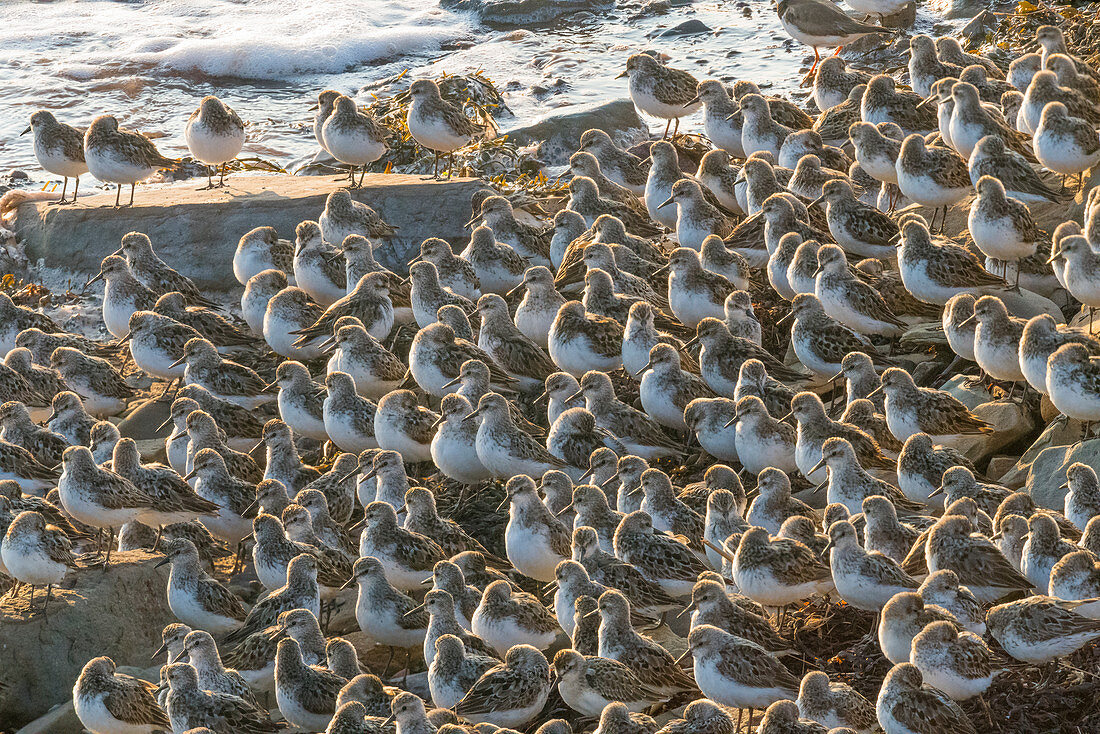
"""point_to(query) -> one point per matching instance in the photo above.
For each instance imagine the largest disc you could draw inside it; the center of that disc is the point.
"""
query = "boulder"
(967, 391)
(559, 134)
(119, 612)
(1057, 433)
(197, 231)
(143, 424)
(1048, 472)
(508, 13)
(687, 28)
(1011, 423)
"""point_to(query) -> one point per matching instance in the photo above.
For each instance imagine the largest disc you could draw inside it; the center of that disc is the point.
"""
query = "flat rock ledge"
(196, 231)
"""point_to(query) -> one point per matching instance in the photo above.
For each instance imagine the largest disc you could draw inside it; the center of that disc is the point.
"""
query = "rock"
(505, 13)
(559, 134)
(1011, 422)
(197, 231)
(1048, 471)
(1057, 433)
(954, 9)
(144, 422)
(999, 466)
(970, 394)
(119, 612)
(904, 18)
(687, 28)
(928, 334)
(61, 719)
(1026, 304)
(18, 175)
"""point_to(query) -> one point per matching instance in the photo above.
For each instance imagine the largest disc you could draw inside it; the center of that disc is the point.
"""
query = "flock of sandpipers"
(965, 576)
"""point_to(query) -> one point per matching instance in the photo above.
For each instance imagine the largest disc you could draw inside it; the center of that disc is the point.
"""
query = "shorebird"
(622, 167)
(906, 704)
(509, 695)
(353, 137)
(260, 249)
(933, 177)
(119, 156)
(817, 24)
(660, 90)
(215, 135)
(343, 217)
(439, 125)
(619, 641)
(108, 701)
(935, 270)
(59, 149)
(1065, 143)
(1040, 629)
(382, 611)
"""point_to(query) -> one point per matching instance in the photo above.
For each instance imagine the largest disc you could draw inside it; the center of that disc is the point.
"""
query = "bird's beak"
(438, 422)
(732, 421)
(789, 315)
(828, 546)
(818, 200)
(472, 220)
(542, 396)
(160, 650)
(687, 654)
(564, 510)
(609, 482)
(621, 74)
(389, 720)
(190, 475)
(691, 342)
(589, 614)
(503, 502)
(661, 269)
(161, 563)
(455, 381)
(414, 260)
(347, 583)
(967, 321)
(643, 369)
(875, 392)
(336, 255)
(817, 466)
(476, 412)
(25, 131)
(97, 277)
(665, 203)
(515, 290)
(936, 492)
(178, 362)
(570, 399)
(164, 425)
(837, 376)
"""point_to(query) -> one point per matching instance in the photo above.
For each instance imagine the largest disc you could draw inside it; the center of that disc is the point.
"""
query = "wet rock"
(197, 231)
(999, 466)
(119, 612)
(507, 13)
(1048, 471)
(1027, 304)
(955, 9)
(559, 134)
(18, 175)
(1011, 423)
(687, 28)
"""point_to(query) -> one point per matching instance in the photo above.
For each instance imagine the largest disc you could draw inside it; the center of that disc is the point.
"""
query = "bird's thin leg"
(46, 606)
(118, 193)
(110, 543)
(221, 178)
(362, 175)
(810, 73)
(668, 124)
(132, 187)
(76, 185)
(64, 188)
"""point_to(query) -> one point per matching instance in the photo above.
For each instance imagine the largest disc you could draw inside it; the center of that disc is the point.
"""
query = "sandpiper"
(651, 663)
(100, 386)
(195, 597)
(760, 131)
(306, 695)
(386, 614)
(639, 433)
(970, 122)
(906, 704)
(504, 620)
(882, 102)
(667, 561)
(646, 595)
(259, 291)
(215, 135)
(347, 418)
(353, 137)
(260, 249)
(1071, 380)
(997, 339)
(911, 409)
(119, 156)
(821, 342)
(234, 496)
(36, 554)
(509, 695)
(1039, 629)
(666, 388)
(300, 400)
(660, 90)
(834, 704)
(619, 165)
(1064, 143)
(318, 268)
(535, 540)
(711, 604)
(439, 125)
(721, 117)
(974, 558)
(530, 241)
(59, 149)
(108, 701)
(156, 275)
(579, 341)
(16, 427)
(585, 199)
(122, 295)
(722, 662)
(589, 683)
(932, 177)
(722, 354)
(406, 557)
(1043, 548)
(454, 670)
(902, 618)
